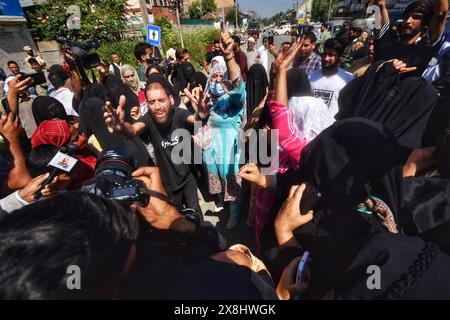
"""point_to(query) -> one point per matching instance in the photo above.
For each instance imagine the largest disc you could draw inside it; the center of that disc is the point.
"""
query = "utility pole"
(329, 10)
(144, 12)
(223, 16)
(179, 24)
(236, 7)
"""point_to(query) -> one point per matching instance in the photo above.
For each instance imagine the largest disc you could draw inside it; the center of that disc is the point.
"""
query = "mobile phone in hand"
(38, 78)
(301, 267)
(270, 39)
(310, 197)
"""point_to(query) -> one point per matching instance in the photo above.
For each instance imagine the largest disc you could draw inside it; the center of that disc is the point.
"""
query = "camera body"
(112, 179)
(75, 52)
(167, 66)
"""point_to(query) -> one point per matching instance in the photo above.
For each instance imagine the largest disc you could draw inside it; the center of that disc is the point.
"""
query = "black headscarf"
(344, 158)
(117, 88)
(256, 87)
(47, 108)
(298, 83)
(96, 90)
(199, 79)
(402, 104)
(409, 269)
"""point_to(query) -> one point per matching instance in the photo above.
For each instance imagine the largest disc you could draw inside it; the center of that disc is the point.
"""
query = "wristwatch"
(191, 215)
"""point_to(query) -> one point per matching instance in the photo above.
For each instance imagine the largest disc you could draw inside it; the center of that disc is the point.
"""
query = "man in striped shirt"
(307, 59)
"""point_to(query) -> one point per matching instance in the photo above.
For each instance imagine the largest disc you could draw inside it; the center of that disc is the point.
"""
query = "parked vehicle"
(283, 29)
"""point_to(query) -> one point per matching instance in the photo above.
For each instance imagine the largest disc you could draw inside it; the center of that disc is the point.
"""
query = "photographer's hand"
(289, 217)
(159, 213)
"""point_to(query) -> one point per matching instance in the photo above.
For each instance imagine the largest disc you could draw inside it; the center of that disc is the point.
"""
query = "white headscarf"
(311, 116)
(127, 68)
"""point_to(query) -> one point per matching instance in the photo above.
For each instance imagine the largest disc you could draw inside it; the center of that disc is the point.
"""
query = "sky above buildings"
(266, 8)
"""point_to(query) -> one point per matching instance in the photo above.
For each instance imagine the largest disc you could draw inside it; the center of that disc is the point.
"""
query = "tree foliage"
(319, 10)
(194, 10)
(208, 6)
(198, 9)
(230, 16)
(100, 19)
(164, 24)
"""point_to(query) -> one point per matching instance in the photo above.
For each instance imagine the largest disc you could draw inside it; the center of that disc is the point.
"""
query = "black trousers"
(188, 196)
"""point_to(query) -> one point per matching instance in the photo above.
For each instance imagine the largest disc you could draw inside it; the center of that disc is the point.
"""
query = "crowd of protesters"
(357, 173)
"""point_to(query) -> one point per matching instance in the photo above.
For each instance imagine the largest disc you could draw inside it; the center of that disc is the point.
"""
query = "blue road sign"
(154, 35)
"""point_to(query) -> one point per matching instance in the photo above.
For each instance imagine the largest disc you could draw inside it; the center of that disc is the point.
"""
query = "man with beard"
(307, 59)
(327, 82)
(160, 125)
(419, 36)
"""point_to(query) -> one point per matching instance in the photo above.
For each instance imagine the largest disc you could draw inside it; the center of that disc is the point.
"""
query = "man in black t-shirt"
(418, 37)
(160, 126)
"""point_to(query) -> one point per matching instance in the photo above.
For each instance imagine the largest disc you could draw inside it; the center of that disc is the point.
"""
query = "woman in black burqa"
(348, 169)
(382, 94)
(401, 268)
(91, 122)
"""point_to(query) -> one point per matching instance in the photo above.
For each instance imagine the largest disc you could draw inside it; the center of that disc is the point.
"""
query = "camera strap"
(160, 196)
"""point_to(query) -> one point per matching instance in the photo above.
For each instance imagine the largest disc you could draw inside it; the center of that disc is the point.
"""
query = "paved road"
(242, 234)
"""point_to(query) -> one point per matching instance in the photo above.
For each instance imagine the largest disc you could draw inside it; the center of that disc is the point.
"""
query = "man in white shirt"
(264, 54)
(59, 78)
(327, 82)
(251, 52)
(114, 67)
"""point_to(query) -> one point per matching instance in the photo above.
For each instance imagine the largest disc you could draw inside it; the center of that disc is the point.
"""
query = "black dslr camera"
(76, 53)
(112, 179)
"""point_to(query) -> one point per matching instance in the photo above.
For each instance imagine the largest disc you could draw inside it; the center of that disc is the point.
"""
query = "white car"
(283, 29)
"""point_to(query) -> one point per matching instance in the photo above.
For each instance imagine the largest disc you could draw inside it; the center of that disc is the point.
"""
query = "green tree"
(230, 16)
(319, 10)
(164, 24)
(208, 6)
(101, 19)
(194, 10)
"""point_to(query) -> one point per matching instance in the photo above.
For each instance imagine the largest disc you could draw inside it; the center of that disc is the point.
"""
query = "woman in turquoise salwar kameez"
(222, 151)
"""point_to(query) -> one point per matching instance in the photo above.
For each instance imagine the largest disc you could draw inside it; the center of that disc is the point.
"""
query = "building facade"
(14, 34)
(355, 8)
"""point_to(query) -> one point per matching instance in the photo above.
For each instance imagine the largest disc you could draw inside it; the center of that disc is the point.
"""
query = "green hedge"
(195, 41)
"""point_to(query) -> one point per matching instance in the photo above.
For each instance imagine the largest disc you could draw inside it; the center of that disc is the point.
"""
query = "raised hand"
(290, 55)
(200, 101)
(289, 217)
(398, 65)
(115, 119)
(135, 113)
(401, 67)
(17, 86)
(251, 172)
(226, 42)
